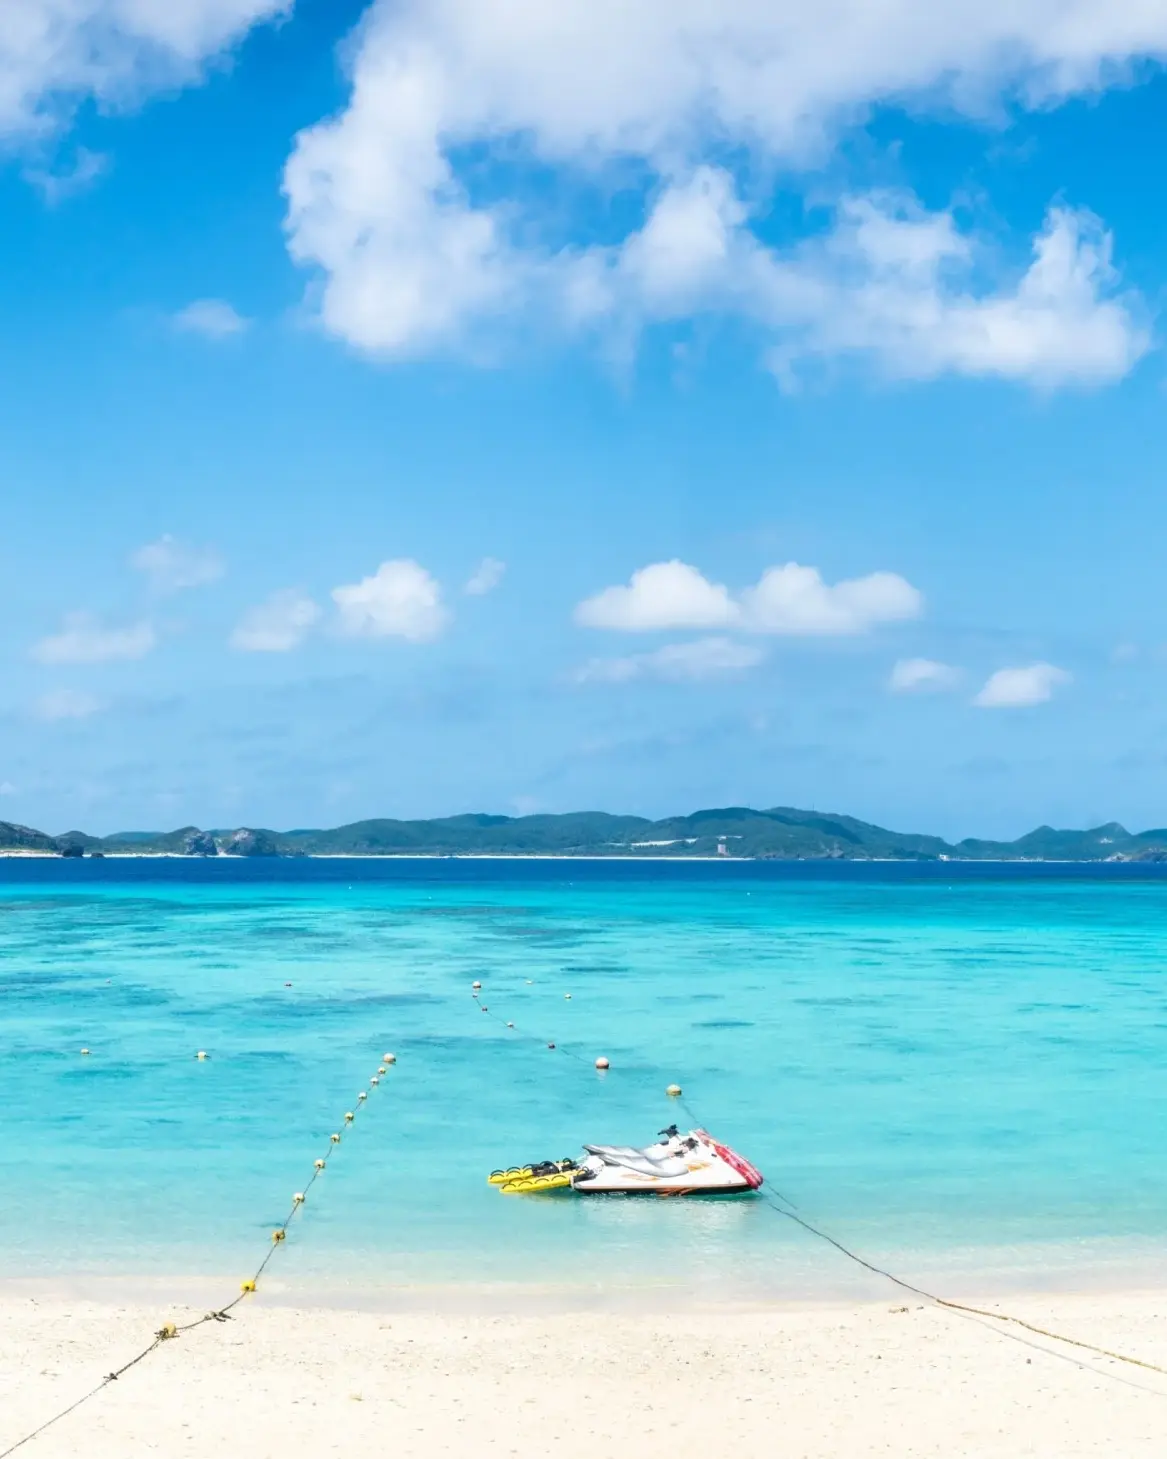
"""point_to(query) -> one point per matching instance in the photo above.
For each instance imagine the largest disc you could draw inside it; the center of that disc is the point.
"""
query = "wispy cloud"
(66, 704)
(1017, 688)
(923, 676)
(485, 577)
(212, 318)
(58, 186)
(171, 565)
(277, 625)
(83, 640)
(701, 658)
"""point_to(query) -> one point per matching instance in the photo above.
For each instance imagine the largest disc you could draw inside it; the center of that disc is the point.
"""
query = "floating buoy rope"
(170, 1330)
(785, 1207)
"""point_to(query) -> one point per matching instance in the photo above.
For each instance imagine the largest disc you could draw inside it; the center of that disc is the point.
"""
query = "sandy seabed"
(891, 1378)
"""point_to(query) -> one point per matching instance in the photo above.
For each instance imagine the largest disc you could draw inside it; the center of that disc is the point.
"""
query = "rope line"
(769, 1194)
(172, 1330)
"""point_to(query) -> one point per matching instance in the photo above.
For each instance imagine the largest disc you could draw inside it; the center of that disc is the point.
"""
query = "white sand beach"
(832, 1382)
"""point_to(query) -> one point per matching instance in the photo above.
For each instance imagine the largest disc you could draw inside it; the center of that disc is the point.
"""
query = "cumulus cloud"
(922, 676)
(485, 577)
(409, 262)
(83, 640)
(662, 595)
(791, 599)
(66, 704)
(277, 625)
(400, 600)
(1017, 688)
(54, 53)
(171, 565)
(702, 658)
(212, 318)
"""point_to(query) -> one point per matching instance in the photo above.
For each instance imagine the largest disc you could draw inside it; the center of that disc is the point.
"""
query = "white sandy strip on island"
(840, 1382)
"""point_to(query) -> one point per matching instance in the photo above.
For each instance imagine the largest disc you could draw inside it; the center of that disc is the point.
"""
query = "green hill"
(735, 831)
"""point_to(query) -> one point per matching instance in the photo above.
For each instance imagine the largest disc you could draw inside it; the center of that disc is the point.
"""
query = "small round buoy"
(85, 1051)
(298, 1199)
(361, 1096)
(319, 1164)
(287, 985)
(550, 1046)
(484, 1008)
(202, 1054)
(568, 997)
(335, 1139)
(528, 981)
(601, 1062)
(389, 1059)
(381, 1069)
(476, 985)
(278, 1235)
(374, 1080)
(673, 1091)
(509, 1024)
(348, 1116)
(250, 1286)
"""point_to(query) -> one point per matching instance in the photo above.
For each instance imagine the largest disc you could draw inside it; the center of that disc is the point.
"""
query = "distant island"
(736, 831)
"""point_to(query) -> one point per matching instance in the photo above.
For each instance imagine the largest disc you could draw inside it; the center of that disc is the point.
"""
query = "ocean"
(961, 1071)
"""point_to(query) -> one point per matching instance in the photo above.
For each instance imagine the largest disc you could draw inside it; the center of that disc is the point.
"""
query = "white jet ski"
(693, 1163)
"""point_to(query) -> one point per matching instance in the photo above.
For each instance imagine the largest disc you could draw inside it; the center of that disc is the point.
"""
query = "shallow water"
(963, 1070)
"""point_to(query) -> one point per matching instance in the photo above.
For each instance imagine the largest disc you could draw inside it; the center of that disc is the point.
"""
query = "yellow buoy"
(601, 1062)
(166, 1332)
(247, 1286)
(673, 1091)
(278, 1235)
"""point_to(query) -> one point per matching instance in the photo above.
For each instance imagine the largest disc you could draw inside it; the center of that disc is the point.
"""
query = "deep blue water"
(952, 1066)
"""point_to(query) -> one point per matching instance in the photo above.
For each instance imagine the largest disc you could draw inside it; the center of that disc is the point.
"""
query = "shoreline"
(844, 1381)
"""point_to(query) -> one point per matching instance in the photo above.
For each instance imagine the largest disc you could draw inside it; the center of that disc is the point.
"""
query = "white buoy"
(673, 1091)
(476, 985)
(601, 1062)
(202, 1054)
(85, 1051)
(389, 1059)
(568, 997)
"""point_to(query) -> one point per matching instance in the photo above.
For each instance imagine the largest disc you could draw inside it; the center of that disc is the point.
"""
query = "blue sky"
(705, 344)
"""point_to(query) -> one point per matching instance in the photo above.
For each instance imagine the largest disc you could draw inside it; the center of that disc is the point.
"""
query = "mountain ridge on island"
(781, 833)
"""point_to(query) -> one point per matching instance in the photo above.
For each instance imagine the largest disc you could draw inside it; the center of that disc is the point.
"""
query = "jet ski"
(676, 1164)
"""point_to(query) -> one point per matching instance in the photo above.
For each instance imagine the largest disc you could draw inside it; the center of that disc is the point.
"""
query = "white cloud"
(662, 595)
(922, 676)
(794, 600)
(1019, 687)
(276, 625)
(399, 600)
(655, 91)
(83, 640)
(54, 53)
(791, 600)
(703, 658)
(66, 704)
(485, 577)
(212, 318)
(171, 565)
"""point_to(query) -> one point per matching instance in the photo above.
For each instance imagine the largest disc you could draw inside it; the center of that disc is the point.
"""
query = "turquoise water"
(953, 1068)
